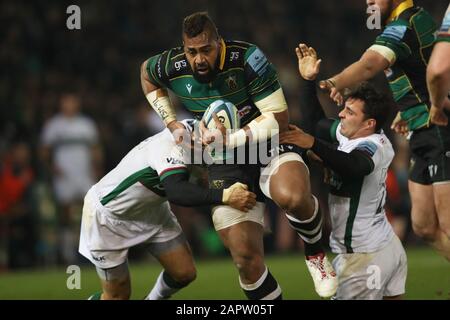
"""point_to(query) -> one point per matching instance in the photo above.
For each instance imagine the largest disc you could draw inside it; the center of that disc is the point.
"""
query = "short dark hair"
(198, 22)
(376, 104)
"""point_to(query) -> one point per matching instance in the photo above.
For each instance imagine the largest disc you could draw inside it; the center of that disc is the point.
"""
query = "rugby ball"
(225, 111)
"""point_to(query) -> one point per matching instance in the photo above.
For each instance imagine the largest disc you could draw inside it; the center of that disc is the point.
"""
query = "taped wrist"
(227, 192)
(160, 102)
(261, 129)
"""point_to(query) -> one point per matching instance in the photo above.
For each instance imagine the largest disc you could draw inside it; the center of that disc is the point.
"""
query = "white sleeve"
(168, 158)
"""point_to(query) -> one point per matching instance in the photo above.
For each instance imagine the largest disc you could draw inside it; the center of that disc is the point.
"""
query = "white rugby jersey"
(71, 140)
(358, 218)
(132, 189)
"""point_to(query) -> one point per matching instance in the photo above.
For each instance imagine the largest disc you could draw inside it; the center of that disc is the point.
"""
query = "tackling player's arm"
(376, 59)
(357, 163)
(391, 45)
(157, 95)
(313, 116)
(181, 192)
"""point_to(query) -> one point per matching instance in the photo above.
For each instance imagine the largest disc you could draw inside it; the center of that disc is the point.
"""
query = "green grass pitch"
(428, 278)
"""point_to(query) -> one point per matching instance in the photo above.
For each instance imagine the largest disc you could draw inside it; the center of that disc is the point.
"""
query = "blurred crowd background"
(84, 84)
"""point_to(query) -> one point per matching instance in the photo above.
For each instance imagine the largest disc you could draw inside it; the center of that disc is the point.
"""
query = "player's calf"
(115, 282)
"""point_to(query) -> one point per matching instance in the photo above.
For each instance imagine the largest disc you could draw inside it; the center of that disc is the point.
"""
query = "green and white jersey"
(358, 218)
(132, 189)
(245, 76)
(410, 35)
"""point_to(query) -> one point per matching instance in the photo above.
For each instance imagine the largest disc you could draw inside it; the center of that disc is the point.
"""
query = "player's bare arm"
(438, 82)
(248, 135)
(371, 63)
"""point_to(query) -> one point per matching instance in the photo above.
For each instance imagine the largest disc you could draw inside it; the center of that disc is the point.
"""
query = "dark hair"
(376, 104)
(198, 22)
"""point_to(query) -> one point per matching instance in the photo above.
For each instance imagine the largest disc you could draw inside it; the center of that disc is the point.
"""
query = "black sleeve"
(181, 192)
(310, 107)
(352, 165)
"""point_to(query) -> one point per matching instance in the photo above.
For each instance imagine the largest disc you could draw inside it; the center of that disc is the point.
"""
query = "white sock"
(161, 290)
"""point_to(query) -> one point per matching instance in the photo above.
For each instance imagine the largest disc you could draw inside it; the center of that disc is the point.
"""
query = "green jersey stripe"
(333, 129)
(354, 202)
(212, 97)
(146, 176)
(171, 172)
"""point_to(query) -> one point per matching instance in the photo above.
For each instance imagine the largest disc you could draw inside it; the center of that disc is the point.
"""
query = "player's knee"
(250, 268)
(289, 200)
(185, 276)
(247, 261)
(426, 232)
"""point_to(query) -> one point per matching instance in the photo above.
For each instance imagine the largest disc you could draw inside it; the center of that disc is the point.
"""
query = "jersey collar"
(402, 7)
(222, 54)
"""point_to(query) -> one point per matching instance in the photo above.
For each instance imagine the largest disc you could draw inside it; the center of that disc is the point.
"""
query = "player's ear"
(371, 124)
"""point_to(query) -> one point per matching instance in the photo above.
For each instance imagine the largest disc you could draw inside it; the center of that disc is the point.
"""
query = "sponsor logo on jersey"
(234, 56)
(99, 258)
(158, 67)
(231, 82)
(189, 87)
(394, 32)
(217, 184)
(180, 65)
(258, 62)
(174, 161)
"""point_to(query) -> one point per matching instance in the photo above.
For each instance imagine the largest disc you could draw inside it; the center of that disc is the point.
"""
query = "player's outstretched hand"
(438, 116)
(297, 136)
(330, 86)
(238, 197)
(399, 125)
(308, 64)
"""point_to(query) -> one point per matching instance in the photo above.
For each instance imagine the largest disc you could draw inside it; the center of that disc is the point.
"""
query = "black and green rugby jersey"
(245, 76)
(411, 34)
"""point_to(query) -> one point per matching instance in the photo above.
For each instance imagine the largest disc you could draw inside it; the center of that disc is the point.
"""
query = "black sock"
(310, 231)
(266, 287)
